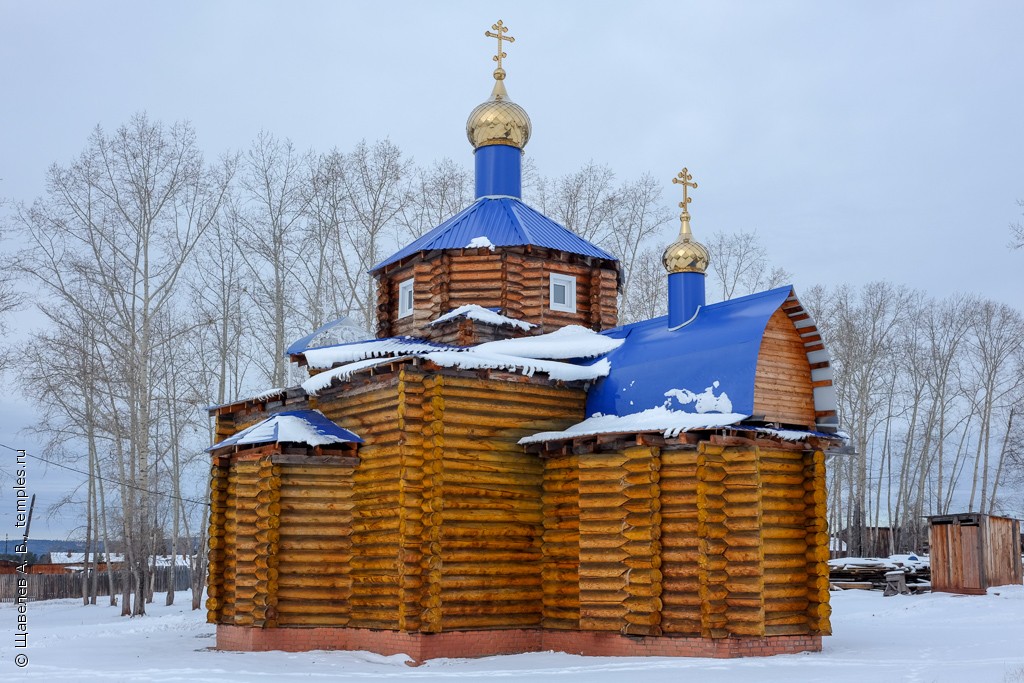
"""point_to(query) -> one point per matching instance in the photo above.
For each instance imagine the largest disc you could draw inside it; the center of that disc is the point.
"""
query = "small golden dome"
(499, 120)
(686, 255)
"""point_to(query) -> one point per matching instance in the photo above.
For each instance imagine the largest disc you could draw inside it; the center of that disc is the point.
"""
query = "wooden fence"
(54, 586)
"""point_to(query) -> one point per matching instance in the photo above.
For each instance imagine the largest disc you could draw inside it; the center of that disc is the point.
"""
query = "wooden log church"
(503, 469)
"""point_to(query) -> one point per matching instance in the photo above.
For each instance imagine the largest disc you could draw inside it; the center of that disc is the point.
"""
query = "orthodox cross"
(500, 31)
(686, 180)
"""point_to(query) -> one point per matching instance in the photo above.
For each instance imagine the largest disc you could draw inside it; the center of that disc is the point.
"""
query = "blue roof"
(310, 427)
(720, 345)
(345, 332)
(505, 222)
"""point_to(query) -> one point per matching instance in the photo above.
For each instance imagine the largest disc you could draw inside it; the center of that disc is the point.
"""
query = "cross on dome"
(500, 31)
(685, 179)
(686, 255)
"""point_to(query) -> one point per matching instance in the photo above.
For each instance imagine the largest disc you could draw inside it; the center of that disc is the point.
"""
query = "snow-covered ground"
(927, 638)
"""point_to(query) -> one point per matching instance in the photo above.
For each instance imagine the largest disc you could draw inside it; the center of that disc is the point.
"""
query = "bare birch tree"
(740, 265)
(119, 224)
(1017, 231)
(436, 193)
(647, 296)
(272, 204)
(996, 339)
(583, 201)
(373, 182)
(638, 217)
(861, 331)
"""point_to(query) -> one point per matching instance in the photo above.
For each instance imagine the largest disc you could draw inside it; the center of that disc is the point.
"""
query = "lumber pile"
(868, 573)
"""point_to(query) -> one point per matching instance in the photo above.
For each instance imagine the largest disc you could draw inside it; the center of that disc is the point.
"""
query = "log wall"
(386, 502)
(560, 572)
(783, 391)
(444, 524)
(280, 551)
(491, 515)
(511, 279)
(314, 551)
(681, 551)
(447, 506)
(620, 549)
(716, 542)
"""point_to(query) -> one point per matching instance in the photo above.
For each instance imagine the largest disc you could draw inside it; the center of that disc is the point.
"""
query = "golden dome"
(499, 120)
(686, 255)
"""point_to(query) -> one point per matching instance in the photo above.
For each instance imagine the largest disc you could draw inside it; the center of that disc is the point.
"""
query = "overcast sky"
(871, 140)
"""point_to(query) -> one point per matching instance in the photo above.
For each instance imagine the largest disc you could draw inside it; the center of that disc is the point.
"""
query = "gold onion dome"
(685, 255)
(499, 120)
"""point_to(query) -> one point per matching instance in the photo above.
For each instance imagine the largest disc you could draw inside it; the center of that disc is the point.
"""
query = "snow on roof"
(317, 383)
(658, 419)
(468, 359)
(269, 393)
(262, 396)
(484, 315)
(528, 355)
(341, 331)
(329, 356)
(310, 427)
(473, 359)
(77, 558)
(571, 341)
(792, 434)
(479, 243)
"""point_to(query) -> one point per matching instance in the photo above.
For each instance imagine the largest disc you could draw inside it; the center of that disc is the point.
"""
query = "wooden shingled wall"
(783, 391)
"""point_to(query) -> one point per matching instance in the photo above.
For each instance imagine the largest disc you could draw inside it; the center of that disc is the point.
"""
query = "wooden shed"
(971, 552)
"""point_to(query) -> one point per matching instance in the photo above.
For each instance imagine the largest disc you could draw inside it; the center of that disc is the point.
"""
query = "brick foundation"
(423, 646)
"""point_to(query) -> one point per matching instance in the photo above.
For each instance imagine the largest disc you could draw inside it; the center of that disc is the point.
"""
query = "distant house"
(878, 541)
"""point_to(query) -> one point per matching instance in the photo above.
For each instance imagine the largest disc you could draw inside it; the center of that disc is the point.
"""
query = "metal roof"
(328, 356)
(505, 222)
(342, 329)
(293, 426)
(720, 345)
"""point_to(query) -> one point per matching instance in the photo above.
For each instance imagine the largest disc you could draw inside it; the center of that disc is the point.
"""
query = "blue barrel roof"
(505, 222)
(715, 354)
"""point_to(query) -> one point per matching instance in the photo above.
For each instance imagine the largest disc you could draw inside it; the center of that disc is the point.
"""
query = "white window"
(563, 293)
(405, 298)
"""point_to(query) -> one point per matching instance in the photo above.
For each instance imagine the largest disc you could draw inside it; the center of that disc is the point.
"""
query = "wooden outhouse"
(971, 552)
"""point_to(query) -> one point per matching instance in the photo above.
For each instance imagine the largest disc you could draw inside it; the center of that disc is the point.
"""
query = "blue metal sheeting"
(269, 430)
(720, 345)
(505, 222)
(376, 347)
